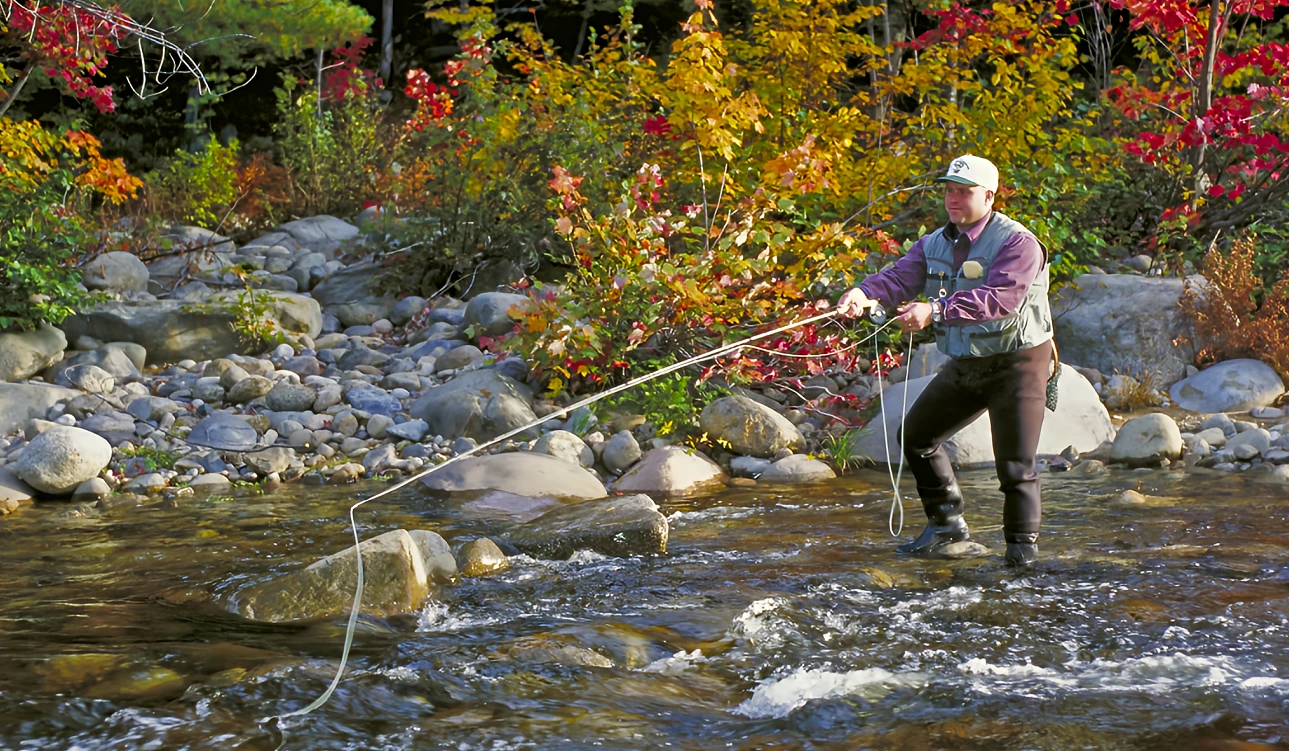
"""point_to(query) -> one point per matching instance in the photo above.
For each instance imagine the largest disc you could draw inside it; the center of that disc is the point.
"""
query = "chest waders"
(1000, 366)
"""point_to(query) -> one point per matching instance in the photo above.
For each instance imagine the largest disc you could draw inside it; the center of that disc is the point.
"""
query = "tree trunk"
(319, 84)
(581, 33)
(386, 41)
(1202, 97)
(17, 89)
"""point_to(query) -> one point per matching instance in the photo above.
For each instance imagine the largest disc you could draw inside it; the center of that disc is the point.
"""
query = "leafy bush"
(1233, 316)
(652, 285)
(332, 149)
(48, 182)
(194, 188)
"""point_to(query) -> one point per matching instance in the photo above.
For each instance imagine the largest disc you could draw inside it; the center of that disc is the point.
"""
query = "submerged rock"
(630, 525)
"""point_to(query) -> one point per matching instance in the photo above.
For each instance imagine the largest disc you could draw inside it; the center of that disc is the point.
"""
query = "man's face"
(967, 204)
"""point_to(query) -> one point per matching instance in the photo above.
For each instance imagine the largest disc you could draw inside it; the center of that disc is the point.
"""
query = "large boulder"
(1230, 386)
(62, 457)
(750, 428)
(25, 353)
(112, 360)
(349, 285)
(19, 402)
(116, 272)
(671, 470)
(171, 331)
(629, 525)
(1122, 323)
(394, 577)
(1147, 440)
(521, 473)
(321, 232)
(482, 405)
(1080, 421)
(489, 313)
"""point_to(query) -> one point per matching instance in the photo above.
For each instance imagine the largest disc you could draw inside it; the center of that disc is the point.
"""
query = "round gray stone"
(1233, 385)
(224, 432)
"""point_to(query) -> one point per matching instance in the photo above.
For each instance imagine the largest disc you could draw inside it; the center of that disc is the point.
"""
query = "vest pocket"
(992, 338)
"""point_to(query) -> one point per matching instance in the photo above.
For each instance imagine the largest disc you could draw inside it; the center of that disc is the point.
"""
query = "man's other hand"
(914, 316)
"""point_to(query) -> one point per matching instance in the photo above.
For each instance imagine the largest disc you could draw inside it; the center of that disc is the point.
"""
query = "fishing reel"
(877, 314)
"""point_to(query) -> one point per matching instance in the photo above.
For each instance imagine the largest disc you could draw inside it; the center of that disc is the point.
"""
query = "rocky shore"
(156, 394)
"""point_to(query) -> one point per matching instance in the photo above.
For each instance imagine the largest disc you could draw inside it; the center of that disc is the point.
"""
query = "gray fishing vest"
(1029, 326)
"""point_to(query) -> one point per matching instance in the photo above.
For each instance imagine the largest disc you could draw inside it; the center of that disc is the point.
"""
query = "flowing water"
(779, 619)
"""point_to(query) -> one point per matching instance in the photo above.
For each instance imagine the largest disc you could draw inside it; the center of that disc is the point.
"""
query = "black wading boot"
(1022, 550)
(944, 525)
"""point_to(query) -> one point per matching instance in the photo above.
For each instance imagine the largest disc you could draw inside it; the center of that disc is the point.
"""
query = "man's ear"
(989, 196)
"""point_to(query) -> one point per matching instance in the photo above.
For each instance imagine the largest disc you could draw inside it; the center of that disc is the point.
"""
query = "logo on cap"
(959, 165)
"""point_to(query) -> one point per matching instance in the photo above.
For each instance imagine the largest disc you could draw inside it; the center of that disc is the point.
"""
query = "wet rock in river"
(625, 526)
(395, 582)
(440, 564)
(481, 557)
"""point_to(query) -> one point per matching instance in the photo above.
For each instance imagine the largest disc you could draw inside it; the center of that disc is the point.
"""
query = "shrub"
(1233, 316)
(332, 150)
(194, 188)
(48, 182)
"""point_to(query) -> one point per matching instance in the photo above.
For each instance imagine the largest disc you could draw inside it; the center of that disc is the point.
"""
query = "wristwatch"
(937, 311)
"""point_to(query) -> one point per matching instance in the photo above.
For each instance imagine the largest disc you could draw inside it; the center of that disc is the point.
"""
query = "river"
(779, 619)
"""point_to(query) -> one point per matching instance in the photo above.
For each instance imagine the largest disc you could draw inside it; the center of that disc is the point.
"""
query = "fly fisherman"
(986, 278)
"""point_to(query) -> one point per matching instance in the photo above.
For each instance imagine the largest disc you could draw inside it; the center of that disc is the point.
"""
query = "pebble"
(377, 425)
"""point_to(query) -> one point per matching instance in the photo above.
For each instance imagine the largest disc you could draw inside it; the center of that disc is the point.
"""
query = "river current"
(778, 619)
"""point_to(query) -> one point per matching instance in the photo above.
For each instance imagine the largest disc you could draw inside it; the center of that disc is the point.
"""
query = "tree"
(1211, 106)
(70, 41)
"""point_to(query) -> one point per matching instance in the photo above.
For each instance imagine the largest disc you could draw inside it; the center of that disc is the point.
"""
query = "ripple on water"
(779, 697)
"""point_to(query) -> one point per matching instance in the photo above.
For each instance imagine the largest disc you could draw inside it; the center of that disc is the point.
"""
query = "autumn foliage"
(1233, 315)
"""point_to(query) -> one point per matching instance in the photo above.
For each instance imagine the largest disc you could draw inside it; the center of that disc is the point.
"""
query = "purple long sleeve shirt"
(1013, 270)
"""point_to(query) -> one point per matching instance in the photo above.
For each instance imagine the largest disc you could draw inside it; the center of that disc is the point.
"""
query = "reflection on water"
(780, 619)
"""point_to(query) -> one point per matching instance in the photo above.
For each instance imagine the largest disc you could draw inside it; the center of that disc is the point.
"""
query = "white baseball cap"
(972, 170)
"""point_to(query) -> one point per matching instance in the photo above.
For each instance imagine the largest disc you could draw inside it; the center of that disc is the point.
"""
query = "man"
(985, 277)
